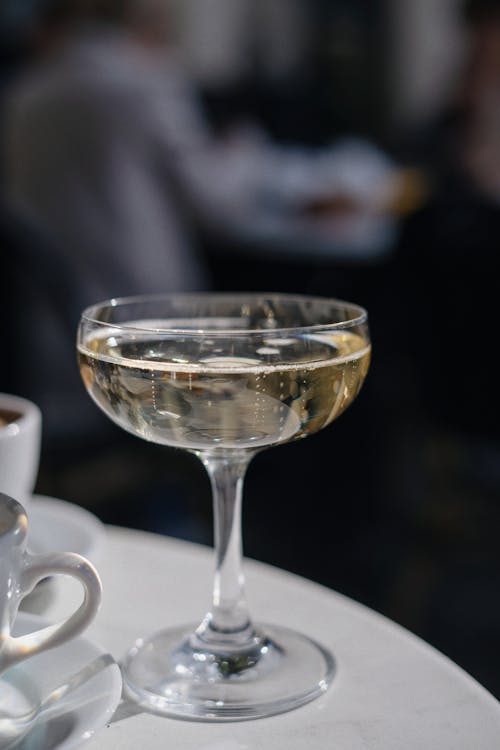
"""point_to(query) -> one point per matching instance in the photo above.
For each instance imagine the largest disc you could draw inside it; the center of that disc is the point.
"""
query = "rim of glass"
(359, 317)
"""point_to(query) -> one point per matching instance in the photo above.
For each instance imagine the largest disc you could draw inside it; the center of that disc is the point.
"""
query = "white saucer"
(59, 526)
(77, 684)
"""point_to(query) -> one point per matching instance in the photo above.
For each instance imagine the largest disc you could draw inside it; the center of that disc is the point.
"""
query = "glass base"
(176, 673)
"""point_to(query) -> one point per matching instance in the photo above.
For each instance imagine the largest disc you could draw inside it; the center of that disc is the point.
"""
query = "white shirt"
(89, 159)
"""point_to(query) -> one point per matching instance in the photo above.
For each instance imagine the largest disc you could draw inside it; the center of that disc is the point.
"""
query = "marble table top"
(391, 691)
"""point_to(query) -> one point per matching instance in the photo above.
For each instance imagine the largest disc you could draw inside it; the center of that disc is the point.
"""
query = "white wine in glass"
(224, 376)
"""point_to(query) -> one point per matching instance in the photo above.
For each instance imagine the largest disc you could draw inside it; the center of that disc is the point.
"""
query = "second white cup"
(20, 441)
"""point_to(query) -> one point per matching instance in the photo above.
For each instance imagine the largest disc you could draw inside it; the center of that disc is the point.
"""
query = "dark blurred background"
(347, 148)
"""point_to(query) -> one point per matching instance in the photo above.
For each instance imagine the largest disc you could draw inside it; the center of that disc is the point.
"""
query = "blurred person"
(108, 156)
(461, 146)
(108, 149)
(83, 153)
(478, 99)
(99, 148)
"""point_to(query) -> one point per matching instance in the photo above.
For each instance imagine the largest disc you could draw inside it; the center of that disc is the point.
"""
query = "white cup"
(20, 572)
(20, 440)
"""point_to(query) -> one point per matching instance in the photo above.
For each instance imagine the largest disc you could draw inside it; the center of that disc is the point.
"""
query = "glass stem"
(228, 620)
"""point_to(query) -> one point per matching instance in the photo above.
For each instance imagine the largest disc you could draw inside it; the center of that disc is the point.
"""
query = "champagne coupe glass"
(224, 376)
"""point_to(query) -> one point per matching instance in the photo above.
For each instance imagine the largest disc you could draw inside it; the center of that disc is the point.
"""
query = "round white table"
(391, 691)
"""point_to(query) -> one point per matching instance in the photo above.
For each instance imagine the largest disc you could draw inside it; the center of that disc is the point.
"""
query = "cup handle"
(36, 568)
